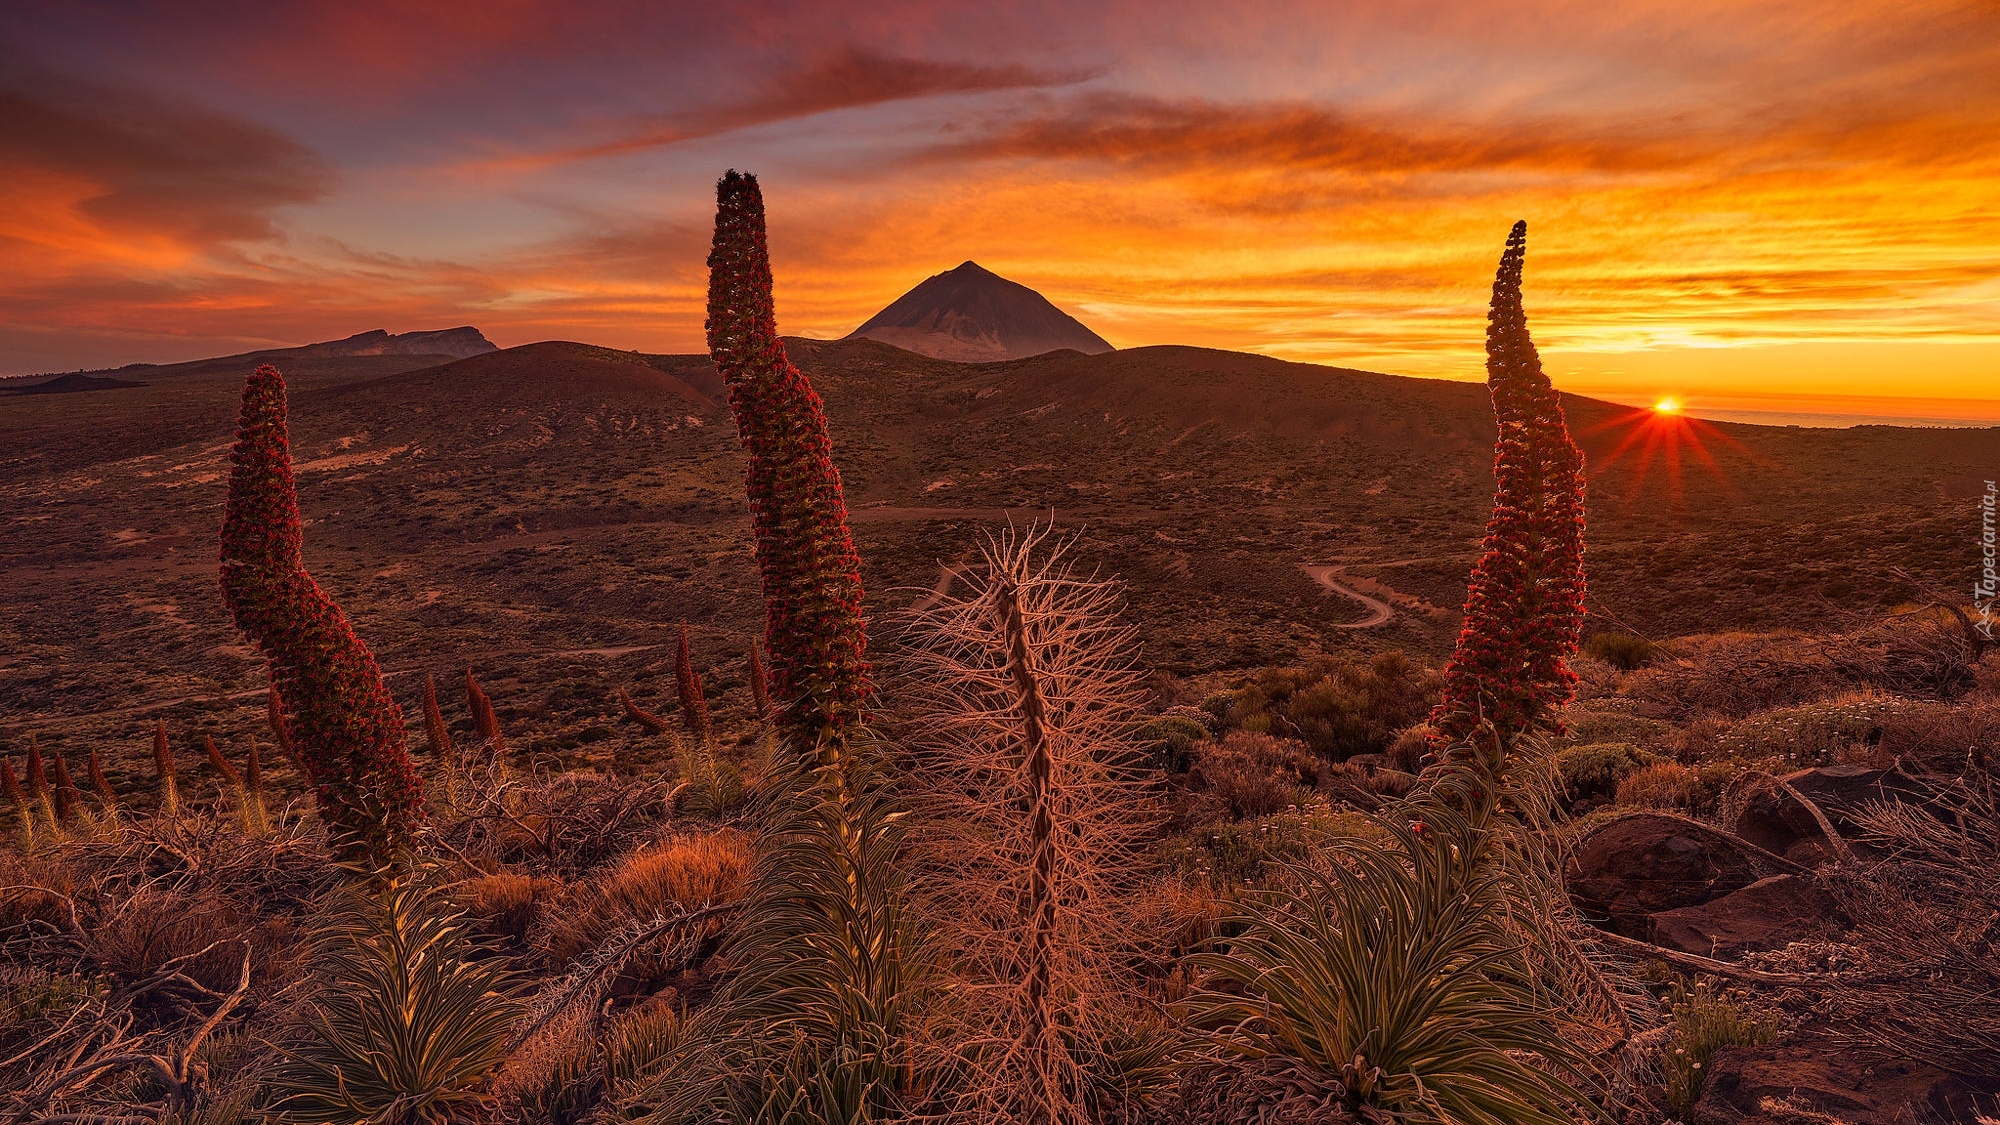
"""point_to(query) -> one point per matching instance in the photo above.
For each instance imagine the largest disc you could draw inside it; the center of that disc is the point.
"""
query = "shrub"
(1524, 601)
(155, 926)
(1406, 752)
(1228, 853)
(1170, 741)
(1585, 725)
(1734, 674)
(1623, 651)
(1595, 771)
(1255, 774)
(507, 903)
(1337, 707)
(1664, 785)
(1705, 1019)
(1811, 734)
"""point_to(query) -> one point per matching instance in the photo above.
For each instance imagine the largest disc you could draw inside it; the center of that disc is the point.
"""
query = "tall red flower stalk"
(68, 800)
(694, 705)
(106, 796)
(346, 727)
(485, 720)
(435, 732)
(38, 784)
(811, 573)
(220, 764)
(1524, 603)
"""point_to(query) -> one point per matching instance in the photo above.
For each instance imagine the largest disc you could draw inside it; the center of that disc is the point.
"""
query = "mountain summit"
(974, 315)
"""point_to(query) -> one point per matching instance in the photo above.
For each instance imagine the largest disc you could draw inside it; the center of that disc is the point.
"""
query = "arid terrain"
(548, 514)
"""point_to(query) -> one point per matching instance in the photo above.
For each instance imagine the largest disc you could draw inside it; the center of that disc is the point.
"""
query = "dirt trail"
(938, 589)
(1379, 611)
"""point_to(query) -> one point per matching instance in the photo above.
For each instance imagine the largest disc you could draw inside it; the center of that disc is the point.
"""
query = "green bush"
(1594, 771)
(1705, 1020)
(1338, 707)
(1621, 650)
(1170, 740)
(1810, 734)
(1228, 853)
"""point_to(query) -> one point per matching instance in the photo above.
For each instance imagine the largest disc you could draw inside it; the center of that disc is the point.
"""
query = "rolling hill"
(549, 513)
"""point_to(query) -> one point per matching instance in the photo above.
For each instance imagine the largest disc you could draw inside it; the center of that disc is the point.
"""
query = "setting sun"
(1667, 405)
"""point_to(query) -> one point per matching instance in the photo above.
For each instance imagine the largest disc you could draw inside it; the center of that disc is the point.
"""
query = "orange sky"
(1752, 205)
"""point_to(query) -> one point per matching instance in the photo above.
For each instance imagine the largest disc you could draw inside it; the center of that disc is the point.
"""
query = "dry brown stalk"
(1021, 690)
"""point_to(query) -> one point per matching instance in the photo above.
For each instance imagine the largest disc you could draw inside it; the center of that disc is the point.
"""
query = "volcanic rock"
(1768, 914)
(1638, 866)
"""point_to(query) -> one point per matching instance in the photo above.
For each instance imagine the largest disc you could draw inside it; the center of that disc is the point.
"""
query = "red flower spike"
(1524, 602)
(67, 797)
(345, 727)
(805, 552)
(694, 705)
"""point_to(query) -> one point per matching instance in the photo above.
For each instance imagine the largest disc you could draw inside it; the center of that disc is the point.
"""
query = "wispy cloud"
(848, 77)
(144, 165)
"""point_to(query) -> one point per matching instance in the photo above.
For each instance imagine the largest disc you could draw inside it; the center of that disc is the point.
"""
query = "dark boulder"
(1768, 914)
(1637, 866)
(1775, 820)
(1783, 1085)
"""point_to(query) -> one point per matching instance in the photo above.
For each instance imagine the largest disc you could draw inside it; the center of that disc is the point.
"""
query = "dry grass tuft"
(506, 904)
(679, 874)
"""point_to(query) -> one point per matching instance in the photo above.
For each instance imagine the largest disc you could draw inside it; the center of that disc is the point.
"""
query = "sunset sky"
(1760, 204)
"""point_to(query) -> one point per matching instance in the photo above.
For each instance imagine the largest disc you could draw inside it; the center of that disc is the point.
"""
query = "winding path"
(1379, 611)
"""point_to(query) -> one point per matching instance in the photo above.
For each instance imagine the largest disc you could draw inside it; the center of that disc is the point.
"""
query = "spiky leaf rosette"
(347, 728)
(1022, 693)
(811, 573)
(1524, 602)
